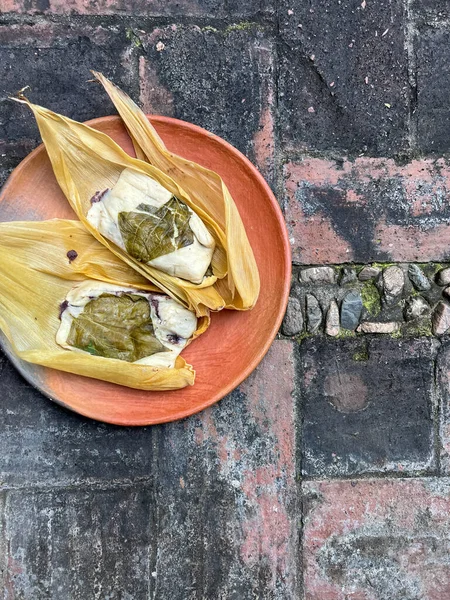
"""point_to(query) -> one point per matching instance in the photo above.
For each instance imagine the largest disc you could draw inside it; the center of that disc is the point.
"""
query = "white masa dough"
(168, 317)
(132, 189)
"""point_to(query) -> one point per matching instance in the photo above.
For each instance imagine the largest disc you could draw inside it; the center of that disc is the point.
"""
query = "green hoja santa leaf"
(116, 327)
(148, 208)
(153, 233)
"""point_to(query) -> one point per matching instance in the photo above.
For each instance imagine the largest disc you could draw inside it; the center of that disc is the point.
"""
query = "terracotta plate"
(235, 342)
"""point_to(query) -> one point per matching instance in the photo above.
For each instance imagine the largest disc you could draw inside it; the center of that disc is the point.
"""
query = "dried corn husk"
(35, 277)
(86, 161)
(207, 192)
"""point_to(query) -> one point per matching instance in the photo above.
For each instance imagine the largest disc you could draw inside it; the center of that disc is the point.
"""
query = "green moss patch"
(371, 298)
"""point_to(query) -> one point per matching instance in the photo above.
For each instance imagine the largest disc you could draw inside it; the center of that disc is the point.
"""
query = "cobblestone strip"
(345, 301)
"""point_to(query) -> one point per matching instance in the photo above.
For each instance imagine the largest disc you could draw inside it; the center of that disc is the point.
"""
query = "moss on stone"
(438, 267)
(242, 26)
(422, 328)
(302, 336)
(383, 265)
(362, 354)
(371, 298)
(396, 334)
(210, 28)
(133, 37)
(345, 333)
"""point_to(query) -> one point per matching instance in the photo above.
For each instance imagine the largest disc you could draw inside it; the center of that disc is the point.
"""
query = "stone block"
(227, 492)
(343, 76)
(79, 543)
(55, 61)
(221, 80)
(433, 89)
(44, 444)
(367, 406)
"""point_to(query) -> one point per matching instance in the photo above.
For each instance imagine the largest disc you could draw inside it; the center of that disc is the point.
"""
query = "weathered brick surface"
(443, 378)
(367, 405)
(208, 508)
(55, 62)
(5, 172)
(343, 76)
(377, 540)
(43, 444)
(79, 543)
(369, 209)
(433, 89)
(220, 80)
(145, 8)
(225, 492)
(430, 11)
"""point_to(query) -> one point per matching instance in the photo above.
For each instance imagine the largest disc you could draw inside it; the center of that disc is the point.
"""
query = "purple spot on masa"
(98, 196)
(155, 303)
(174, 338)
(62, 307)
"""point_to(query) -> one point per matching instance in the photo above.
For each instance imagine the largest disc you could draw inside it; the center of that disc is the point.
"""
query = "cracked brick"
(343, 77)
(377, 539)
(220, 80)
(368, 209)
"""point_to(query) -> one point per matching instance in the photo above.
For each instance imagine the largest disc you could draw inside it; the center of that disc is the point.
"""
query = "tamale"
(44, 266)
(113, 321)
(207, 192)
(153, 226)
(86, 163)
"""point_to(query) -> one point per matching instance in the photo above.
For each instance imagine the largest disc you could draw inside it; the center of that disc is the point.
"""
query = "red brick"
(154, 97)
(211, 499)
(369, 209)
(443, 372)
(377, 540)
(268, 488)
(104, 7)
(264, 137)
(233, 469)
(135, 7)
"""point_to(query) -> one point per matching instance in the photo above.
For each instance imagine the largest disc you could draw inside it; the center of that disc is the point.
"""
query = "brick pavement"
(325, 475)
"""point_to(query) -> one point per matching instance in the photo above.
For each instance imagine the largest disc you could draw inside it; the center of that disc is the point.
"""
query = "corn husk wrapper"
(86, 161)
(207, 192)
(35, 277)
